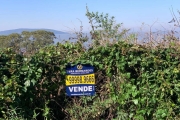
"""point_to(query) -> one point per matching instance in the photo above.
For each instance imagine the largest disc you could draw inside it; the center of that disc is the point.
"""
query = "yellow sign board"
(80, 79)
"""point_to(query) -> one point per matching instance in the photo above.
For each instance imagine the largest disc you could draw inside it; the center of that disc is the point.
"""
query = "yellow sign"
(81, 79)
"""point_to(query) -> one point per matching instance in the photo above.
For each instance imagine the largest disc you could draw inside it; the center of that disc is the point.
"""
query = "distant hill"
(20, 30)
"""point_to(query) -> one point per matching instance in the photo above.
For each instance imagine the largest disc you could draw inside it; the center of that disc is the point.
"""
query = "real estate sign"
(80, 80)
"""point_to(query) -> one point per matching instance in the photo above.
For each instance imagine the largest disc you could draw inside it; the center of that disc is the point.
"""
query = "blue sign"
(79, 90)
(80, 80)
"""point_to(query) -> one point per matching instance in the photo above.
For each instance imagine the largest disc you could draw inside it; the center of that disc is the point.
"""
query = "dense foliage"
(133, 81)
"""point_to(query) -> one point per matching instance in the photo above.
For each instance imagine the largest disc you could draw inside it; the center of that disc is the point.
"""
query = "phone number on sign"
(81, 79)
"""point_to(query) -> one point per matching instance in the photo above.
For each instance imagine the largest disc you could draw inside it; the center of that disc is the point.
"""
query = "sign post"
(80, 80)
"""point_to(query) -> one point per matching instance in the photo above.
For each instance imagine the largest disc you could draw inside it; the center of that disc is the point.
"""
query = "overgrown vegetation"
(133, 81)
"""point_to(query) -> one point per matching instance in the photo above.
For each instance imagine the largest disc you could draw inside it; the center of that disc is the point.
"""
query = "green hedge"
(132, 82)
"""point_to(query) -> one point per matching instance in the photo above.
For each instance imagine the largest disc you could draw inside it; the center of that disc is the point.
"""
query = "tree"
(14, 41)
(35, 40)
(3, 41)
(30, 41)
(104, 29)
(42, 38)
(26, 40)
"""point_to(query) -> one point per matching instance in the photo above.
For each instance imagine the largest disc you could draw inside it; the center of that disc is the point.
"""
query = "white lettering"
(81, 88)
(71, 89)
(90, 88)
(85, 88)
(75, 89)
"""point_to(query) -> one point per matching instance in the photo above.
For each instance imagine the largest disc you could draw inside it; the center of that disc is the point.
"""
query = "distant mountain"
(20, 30)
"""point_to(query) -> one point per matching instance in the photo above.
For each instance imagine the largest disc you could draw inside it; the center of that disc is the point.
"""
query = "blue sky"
(63, 15)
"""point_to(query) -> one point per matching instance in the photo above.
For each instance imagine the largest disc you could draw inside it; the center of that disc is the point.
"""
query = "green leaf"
(101, 66)
(39, 70)
(128, 75)
(134, 94)
(92, 58)
(27, 83)
(96, 63)
(25, 68)
(117, 56)
(33, 82)
(164, 115)
(135, 101)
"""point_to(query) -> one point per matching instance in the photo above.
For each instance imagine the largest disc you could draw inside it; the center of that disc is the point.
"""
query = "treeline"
(27, 41)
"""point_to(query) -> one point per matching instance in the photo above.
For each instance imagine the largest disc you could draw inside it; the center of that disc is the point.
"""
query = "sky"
(67, 15)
